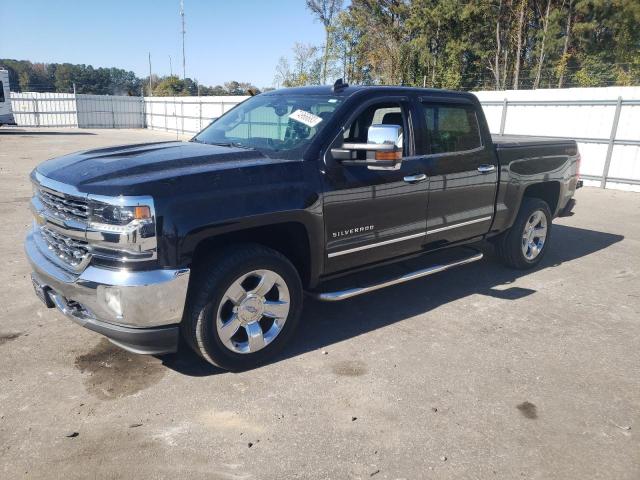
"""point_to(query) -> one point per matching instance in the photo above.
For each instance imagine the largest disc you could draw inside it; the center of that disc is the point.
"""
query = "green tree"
(485, 43)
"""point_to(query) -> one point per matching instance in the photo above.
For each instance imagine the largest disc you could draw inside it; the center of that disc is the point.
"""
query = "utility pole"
(184, 68)
(150, 87)
(170, 66)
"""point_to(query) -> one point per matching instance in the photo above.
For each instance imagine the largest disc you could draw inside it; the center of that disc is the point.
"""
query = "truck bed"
(521, 141)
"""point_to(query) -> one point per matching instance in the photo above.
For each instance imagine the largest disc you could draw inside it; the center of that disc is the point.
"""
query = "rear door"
(462, 169)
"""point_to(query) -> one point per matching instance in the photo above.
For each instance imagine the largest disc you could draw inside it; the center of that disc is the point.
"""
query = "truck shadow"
(324, 324)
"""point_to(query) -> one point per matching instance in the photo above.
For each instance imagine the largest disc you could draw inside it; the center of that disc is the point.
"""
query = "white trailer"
(6, 115)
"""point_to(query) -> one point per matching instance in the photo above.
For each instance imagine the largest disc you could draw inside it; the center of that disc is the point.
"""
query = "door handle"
(486, 168)
(415, 178)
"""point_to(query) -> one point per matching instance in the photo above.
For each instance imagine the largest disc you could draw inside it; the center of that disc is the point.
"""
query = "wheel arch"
(291, 238)
(548, 191)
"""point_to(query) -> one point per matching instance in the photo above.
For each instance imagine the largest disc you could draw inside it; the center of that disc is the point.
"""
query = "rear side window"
(451, 128)
(1, 91)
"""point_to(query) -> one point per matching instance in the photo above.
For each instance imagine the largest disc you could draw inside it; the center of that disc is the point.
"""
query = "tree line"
(481, 44)
(25, 76)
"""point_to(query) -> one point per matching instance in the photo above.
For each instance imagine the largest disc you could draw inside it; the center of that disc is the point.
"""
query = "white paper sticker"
(306, 118)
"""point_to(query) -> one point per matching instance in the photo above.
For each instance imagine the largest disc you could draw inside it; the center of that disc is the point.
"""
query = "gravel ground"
(480, 372)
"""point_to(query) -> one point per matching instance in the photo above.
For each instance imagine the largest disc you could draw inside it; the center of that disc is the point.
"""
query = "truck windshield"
(279, 126)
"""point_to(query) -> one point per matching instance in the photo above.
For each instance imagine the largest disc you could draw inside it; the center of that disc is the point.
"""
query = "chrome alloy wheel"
(534, 235)
(253, 311)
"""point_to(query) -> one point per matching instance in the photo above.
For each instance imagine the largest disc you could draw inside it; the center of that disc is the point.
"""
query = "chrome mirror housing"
(385, 135)
(383, 149)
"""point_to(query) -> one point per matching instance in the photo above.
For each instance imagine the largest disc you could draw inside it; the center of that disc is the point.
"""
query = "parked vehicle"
(215, 240)
(6, 115)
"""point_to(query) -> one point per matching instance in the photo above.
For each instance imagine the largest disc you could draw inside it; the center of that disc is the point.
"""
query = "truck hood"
(128, 169)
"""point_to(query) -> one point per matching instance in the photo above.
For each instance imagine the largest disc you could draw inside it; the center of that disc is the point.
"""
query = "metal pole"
(184, 69)
(36, 111)
(150, 87)
(503, 119)
(113, 114)
(75, 102)
(143, 109)
(612, 139)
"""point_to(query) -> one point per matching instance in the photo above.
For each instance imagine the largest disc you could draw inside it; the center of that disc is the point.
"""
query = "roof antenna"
(339, 85)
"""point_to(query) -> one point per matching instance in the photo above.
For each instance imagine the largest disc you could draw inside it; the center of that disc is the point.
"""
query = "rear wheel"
(244, 306)
(525, 243)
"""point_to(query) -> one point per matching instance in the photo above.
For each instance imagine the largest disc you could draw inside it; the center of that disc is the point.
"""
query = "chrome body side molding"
(373, 245)
(458, 225)
(408, 237)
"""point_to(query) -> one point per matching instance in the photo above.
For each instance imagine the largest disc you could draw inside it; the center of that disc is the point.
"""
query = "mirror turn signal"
(386, 155)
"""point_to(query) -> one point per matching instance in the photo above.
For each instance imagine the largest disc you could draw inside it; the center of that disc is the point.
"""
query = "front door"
(372, 215)
(463, 173)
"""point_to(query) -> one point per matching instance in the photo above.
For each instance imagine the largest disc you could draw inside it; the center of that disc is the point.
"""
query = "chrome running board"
(352, 292)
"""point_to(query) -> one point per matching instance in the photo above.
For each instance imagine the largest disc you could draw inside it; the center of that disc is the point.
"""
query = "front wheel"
(525, 243)
(245, 305)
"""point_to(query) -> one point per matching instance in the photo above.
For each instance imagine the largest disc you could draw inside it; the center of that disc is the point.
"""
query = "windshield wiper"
(231, 144)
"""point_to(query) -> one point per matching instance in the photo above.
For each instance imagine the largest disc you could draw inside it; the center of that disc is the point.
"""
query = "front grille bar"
(73, 252)
(65, 206)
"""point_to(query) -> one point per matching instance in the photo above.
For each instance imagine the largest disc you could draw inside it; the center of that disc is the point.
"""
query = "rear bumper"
(138, 311)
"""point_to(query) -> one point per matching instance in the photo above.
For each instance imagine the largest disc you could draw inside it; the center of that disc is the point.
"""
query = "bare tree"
(283, 73)
(303, 57)
(516, 72)
(326, 11)
(545, 26)
(565, 50)
(495, 68)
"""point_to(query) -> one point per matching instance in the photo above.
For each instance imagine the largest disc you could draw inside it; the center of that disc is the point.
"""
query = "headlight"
(119, 215)
(129, 216)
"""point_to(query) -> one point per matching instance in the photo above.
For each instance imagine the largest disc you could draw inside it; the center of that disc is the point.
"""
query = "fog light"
(113, 300)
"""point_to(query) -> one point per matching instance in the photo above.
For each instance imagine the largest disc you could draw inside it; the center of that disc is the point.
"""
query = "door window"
(451, 128)
(377, 114)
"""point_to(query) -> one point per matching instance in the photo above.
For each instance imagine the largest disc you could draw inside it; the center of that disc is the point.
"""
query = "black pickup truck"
(295, 191)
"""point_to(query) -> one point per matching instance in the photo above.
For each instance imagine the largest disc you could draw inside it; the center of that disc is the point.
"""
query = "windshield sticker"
(306, 118)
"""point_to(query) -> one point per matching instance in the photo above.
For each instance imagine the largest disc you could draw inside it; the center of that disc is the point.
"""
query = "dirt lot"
(480, 372)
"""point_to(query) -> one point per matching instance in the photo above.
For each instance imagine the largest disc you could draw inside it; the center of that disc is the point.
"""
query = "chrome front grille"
(74, 253)
(64, 206)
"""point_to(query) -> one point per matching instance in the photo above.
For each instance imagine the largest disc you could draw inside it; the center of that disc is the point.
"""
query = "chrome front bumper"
(138, 310)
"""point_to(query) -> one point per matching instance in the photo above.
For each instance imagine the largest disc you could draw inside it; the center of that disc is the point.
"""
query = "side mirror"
(383, 147)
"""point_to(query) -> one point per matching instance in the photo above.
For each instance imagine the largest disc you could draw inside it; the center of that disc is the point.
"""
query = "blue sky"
(226, 40)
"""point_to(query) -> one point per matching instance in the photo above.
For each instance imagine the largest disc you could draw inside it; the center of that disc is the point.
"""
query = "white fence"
(69, 110)
(104, 111)
(605, 121)
(44, 109)
(186, 114)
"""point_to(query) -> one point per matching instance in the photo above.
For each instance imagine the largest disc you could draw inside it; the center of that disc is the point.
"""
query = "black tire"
(207, 290)
(509, 244)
